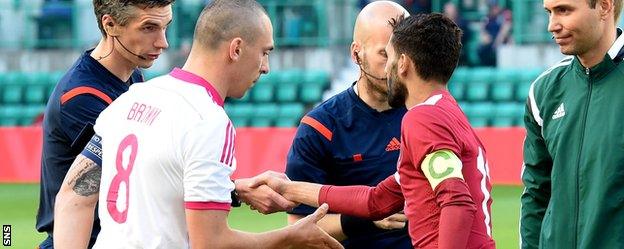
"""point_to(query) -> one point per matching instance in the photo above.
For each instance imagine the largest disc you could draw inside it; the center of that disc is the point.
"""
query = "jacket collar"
(609, 62)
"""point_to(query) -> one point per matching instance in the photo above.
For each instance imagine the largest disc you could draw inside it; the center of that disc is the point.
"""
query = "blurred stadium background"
(506, 46)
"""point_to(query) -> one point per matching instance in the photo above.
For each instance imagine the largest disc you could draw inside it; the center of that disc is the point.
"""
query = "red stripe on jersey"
(208, 205)
(317, 126)
(226, 143)
(85, 90)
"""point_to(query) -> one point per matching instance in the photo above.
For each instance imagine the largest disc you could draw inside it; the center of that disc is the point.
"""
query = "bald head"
(223, 20)
(374, 18)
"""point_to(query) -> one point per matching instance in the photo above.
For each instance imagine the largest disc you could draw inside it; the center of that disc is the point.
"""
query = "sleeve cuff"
(207, 206)
(322, 198)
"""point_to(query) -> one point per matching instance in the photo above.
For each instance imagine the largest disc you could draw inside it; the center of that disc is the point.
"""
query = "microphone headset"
(124, 47)
(357, 58)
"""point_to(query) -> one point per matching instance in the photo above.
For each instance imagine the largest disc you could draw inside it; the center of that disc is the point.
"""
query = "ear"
(355, 52)
(606, 7)
(235, 49)
(403, 65)
(111, 27)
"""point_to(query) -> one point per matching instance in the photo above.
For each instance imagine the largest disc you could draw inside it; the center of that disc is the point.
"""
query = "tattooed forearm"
(87, 181)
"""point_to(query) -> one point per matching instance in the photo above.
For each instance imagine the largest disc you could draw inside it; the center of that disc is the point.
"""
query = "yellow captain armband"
(441, 165)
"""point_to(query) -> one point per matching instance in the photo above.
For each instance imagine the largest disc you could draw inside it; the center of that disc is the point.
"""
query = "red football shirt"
(439, 124)
(435, 215)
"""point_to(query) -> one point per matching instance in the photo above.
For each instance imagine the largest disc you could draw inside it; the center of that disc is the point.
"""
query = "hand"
(395, 221)
(276, 181)
(262, 198)
(306, 234)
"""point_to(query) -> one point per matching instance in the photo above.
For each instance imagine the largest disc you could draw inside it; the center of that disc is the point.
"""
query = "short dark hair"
(432, 41)
(222, 20)
(120, 10)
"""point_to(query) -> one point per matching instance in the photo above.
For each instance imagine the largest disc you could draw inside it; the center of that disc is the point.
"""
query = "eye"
(562, 10)
(149, 28)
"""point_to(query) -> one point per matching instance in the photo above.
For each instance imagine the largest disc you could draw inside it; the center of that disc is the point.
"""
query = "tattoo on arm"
(87, 181)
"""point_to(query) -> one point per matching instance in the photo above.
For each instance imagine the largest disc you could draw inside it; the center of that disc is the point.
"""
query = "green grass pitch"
(18, 207)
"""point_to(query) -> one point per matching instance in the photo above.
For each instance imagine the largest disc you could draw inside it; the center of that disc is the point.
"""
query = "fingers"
(319, 213)
(265, 200)
(332, 243)
(395, 225)
(398, 217)
(257, 181)
(395, 221)
(281, 203)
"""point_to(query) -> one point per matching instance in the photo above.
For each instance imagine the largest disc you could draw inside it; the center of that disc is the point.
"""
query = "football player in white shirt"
(166, 150)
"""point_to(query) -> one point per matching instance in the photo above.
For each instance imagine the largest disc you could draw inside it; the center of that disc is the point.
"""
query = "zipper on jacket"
(578, 160)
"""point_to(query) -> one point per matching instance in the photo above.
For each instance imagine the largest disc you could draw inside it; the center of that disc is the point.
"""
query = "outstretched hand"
(306, 234)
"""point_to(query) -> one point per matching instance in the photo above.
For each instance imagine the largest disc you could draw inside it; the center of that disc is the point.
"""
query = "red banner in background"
(257, 150)
(20, 154)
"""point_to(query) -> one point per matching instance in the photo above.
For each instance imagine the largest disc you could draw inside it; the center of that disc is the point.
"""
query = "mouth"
(562, 40)
(153, 56)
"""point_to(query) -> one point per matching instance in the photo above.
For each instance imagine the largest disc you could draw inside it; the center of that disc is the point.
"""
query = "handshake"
(272, 192)
(264, 192)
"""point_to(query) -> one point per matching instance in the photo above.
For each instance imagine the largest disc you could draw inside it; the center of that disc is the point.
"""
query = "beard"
(397, 92)
(375, 87)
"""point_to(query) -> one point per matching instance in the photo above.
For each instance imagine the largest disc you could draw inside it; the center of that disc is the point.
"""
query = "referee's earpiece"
(357, 57)
(111, 30)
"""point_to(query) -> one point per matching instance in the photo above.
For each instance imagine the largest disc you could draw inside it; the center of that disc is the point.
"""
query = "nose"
(264, 67)
(161, 42)
(386, 67)
(553, 24)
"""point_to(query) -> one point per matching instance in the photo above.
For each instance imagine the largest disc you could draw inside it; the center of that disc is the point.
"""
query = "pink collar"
(196, 79)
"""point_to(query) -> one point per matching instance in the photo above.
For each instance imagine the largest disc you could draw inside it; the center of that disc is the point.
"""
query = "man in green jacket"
(574, 148)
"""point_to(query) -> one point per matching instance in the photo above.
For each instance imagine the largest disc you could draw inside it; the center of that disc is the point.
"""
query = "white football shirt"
(167, 145)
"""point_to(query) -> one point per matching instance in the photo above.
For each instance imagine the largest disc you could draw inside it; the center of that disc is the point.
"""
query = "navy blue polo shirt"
(343, 142)
(77, 100)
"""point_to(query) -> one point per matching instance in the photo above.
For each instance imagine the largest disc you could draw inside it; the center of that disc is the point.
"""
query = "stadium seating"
(488, 96)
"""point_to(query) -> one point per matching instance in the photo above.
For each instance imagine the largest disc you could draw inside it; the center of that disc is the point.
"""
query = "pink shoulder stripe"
(226, 143)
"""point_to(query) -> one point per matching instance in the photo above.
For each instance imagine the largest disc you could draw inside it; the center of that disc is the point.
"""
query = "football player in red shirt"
(442, 179)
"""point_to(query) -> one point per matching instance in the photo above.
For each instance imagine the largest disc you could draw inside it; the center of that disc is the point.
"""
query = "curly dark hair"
(120, 10)
(432, 41)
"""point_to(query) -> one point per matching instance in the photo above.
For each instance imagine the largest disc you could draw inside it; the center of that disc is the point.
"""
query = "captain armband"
(93, 150)
(441, 165)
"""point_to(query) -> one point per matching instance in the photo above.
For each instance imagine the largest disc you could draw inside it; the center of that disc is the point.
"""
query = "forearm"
(210, 230)
(352, 200)
(73, 221)
(364, 201)
(456, 214)
(455, 226)
(276, 239)
(534, 200)
(75, 204)
(302, 192)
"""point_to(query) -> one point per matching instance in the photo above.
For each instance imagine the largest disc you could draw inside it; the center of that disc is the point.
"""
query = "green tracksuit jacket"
(574, 156)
